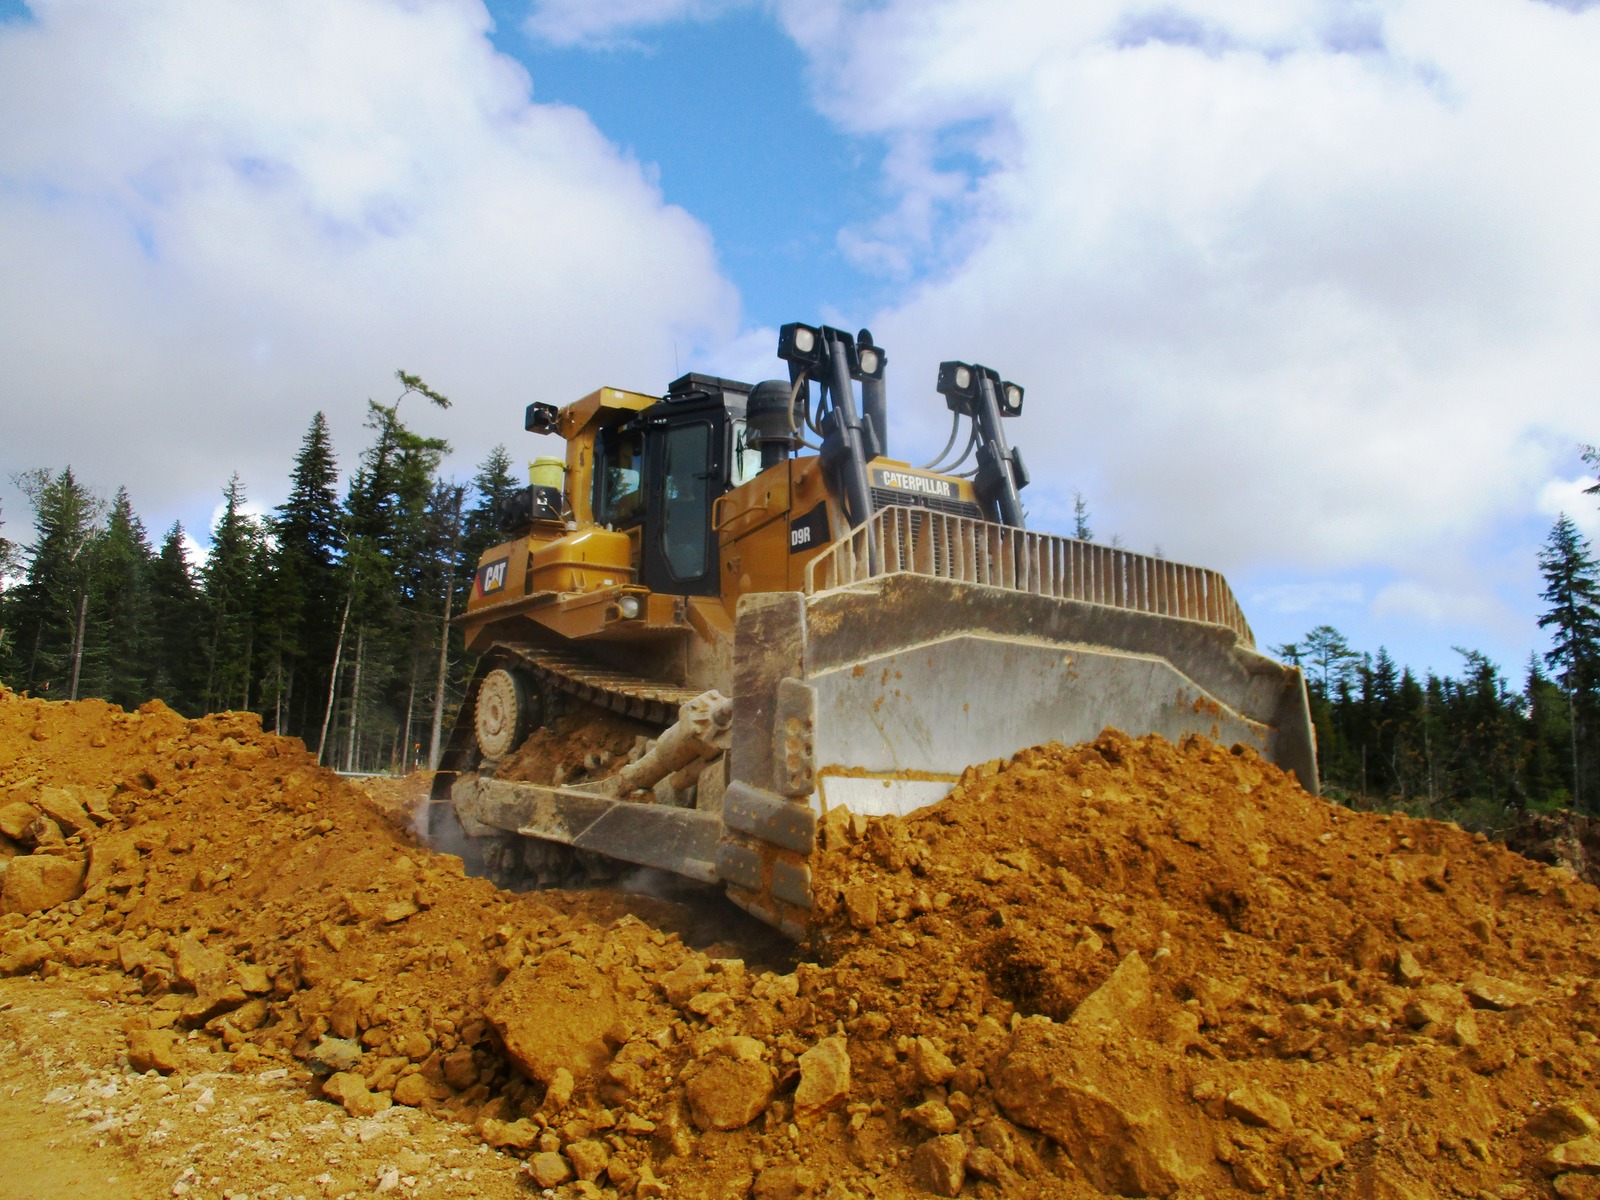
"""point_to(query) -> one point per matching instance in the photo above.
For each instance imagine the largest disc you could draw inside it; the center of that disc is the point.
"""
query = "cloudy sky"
(1307, 291)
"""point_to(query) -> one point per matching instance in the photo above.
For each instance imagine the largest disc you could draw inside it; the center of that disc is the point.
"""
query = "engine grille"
(884, 497)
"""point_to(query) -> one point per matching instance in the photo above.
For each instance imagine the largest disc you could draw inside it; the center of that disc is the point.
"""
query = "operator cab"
(664, 469)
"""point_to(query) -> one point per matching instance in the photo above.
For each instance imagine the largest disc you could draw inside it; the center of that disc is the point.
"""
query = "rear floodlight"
(958, 384)
(1010, 397)
(799, 343)
(866, 359)
(541, 418)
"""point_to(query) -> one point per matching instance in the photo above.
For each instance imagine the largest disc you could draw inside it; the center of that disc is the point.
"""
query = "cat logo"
(492, 577)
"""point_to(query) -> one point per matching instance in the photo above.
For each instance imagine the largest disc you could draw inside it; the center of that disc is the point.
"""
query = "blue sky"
(1304, 291)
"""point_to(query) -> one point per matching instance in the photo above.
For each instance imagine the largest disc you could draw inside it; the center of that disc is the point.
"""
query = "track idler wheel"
(508, 708)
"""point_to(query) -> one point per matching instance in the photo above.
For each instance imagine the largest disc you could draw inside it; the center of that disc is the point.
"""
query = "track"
(577, 675)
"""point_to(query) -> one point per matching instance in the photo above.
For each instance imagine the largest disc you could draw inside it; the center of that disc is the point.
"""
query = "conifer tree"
(230, 592)
(301, 596)
(176, 611)
(1572, 589)
(118, 647)
(53, 601)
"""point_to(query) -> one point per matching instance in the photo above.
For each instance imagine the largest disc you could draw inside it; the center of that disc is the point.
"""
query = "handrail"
(919, 541)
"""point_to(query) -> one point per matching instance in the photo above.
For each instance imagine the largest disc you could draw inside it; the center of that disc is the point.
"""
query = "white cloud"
(1322, 599)
(1567, 496)
(609, 22)
(1312, 285)
(218, 216)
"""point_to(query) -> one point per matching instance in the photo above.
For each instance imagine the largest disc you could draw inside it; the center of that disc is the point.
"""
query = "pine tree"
(1572, 589)
(230, 593)
(176, 613)
(1080, 518)
(119, 647)
(301, 597)
(52, 604)
(492, 487)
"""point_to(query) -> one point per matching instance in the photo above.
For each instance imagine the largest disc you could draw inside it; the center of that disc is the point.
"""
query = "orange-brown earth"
(1124, 968)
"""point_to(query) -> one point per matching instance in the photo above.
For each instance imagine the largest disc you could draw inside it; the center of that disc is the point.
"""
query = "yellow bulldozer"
(799, 622)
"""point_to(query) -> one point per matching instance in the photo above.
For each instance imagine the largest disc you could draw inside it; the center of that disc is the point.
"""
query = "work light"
(540, 418)
(958, 385)
(799, 343)
(1010, 398)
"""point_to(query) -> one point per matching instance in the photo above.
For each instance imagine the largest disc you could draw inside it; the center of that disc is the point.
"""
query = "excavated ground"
(1121, 968)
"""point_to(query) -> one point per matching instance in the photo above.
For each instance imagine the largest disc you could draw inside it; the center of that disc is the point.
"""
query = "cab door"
(687, 452)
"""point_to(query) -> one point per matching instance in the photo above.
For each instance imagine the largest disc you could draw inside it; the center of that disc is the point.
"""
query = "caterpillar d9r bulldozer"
(796, 621)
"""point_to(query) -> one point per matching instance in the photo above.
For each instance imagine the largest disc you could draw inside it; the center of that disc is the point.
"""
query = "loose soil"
(1124, 968)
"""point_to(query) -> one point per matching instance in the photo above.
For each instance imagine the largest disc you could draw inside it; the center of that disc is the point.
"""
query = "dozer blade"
(930, 643)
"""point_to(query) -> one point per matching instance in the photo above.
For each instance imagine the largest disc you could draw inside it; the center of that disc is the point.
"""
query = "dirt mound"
(1123, 968)
(586, 743)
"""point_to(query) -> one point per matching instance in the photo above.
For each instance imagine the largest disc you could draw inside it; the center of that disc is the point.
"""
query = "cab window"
(686, 524)
(746, 458)
(619, 486)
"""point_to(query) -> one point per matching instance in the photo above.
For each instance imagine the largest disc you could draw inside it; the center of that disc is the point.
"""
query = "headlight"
(963, 378)
(805, 340)
(628, 606)
(869, 361)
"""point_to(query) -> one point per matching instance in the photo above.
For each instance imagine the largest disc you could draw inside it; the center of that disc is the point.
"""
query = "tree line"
(327, 617)
(1472, 746)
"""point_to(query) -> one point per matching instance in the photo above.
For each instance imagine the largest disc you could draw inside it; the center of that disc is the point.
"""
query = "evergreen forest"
(329, 618)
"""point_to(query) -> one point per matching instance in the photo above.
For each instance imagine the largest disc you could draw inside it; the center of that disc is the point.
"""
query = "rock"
(622, 1176)
(1256, 1106)
(503, 1135)
(24, 956)
(1124, 994)
(350, 1090)
(558, 1013)
(1312, 1154)
(110, 853)
(62, 807)
(198, 967)
(588, 1158)
(412, 1091)
(1485, 991)
(824, 1078)
(986, 1164)
(558, 1092)
(332, 1056)
(1577, 1187)
(1337, 994)
(1115, 1121)
(1421, 1011)
(932, 1116)
(459, 1069)
(931, 1065)
(37, 882)
(861, 905)
(548, 1170)
(1563, 1122)
(1407, 970)
(787, 1181)
(43, 834)
(153, 1050)
(252, 978)
(1581, 1154)
(940, 1165)
(686, 980)
(729, 1093)
(1251, 1176)
(15, 818)
(648, 1187)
